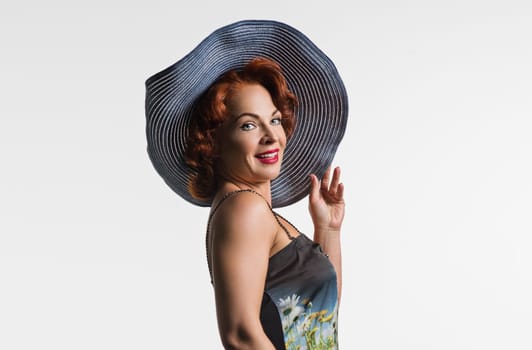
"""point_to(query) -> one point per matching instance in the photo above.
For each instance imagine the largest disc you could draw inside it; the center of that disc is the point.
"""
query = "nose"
(269, 136)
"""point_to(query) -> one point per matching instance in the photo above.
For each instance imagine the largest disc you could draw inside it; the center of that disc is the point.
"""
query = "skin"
(244, 233)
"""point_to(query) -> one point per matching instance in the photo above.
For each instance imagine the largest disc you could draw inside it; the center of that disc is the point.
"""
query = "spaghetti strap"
(228, 195)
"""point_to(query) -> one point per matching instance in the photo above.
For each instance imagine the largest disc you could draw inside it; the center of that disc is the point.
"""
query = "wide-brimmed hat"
(321, 116)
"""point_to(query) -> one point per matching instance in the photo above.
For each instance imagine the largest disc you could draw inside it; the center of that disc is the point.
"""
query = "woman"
(275, 288)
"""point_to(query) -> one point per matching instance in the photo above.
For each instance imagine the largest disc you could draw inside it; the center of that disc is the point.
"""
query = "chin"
(269, 174)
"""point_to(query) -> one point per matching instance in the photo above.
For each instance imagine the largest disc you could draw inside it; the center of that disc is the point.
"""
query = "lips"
(268, 157)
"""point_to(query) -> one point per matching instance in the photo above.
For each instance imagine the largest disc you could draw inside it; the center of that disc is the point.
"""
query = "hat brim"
(321, 115)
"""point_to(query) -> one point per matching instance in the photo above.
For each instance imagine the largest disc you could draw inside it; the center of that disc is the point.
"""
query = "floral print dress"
(299, 309)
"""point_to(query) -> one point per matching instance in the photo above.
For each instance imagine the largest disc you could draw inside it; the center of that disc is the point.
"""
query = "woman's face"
(252, 140)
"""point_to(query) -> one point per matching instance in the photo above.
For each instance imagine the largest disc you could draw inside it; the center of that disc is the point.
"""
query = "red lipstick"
(268, 157)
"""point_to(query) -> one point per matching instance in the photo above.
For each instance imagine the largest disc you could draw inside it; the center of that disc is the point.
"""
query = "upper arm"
(243, 232)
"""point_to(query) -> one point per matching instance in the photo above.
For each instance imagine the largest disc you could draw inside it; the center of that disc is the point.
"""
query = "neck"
(263, 188)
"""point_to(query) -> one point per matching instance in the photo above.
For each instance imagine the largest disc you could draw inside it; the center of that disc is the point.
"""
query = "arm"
(243, 234)
(326, 206)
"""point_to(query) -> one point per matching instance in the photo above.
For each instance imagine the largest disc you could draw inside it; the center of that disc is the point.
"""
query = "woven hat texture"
(321, 116)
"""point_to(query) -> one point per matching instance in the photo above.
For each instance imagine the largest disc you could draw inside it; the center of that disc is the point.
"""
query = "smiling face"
(252, 140)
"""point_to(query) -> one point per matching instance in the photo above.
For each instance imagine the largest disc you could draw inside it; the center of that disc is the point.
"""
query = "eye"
(247, 126)
(276, 121)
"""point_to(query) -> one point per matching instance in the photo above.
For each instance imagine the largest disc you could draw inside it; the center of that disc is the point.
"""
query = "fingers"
(314, 187)
(325, 180)
(340, 193)
(335, 181)
(332, 190)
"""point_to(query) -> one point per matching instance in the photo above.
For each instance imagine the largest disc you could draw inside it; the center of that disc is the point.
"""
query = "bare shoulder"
(246, 214)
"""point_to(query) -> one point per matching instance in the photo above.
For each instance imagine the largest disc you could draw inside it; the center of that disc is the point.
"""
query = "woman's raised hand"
(326, 202)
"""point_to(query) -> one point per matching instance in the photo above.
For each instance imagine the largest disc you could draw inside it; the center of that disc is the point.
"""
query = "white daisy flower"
(289, 310)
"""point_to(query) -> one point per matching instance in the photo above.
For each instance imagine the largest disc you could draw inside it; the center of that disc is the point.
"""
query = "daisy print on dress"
(305, 328)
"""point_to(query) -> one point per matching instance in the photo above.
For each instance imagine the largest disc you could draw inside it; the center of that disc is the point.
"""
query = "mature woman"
(221, 137)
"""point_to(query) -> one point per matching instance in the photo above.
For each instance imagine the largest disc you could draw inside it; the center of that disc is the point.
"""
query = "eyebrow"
(253, 115)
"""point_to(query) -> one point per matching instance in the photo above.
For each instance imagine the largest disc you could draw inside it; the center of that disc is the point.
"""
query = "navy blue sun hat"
(321, 116)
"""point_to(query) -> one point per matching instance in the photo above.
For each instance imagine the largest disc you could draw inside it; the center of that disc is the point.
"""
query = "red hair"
(211, 111)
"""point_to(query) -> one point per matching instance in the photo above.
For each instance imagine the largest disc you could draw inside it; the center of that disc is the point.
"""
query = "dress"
(299, 307)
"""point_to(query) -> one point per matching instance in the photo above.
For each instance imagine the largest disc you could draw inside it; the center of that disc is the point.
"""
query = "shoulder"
(244, 213)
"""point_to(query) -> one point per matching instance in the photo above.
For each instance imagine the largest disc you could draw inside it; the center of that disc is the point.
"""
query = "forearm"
(331, 245)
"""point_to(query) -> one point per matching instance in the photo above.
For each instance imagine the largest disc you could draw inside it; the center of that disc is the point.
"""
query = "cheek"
(282, 137)
(241, 146)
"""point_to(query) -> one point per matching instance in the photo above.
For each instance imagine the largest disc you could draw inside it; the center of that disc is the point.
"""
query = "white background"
(96, 252)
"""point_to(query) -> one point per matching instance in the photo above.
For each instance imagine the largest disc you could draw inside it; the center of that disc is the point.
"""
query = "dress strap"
(230, 194)
(226, 196)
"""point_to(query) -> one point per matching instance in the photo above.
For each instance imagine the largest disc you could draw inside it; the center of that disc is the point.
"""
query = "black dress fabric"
(299, 307)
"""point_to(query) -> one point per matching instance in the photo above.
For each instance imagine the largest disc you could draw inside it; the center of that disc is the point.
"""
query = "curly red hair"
(211, 111)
